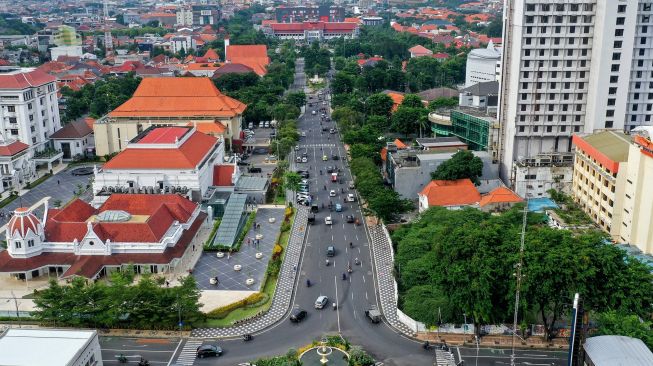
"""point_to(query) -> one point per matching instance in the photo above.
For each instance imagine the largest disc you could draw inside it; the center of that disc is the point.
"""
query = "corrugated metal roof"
(612, 350)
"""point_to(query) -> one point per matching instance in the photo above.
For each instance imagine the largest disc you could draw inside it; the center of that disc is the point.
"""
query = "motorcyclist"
(308, 283)
(351, 245)
(344, 276)
(327, 262)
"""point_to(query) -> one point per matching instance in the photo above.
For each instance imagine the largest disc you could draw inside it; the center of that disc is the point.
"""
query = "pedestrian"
(248, 240)
(193, 247)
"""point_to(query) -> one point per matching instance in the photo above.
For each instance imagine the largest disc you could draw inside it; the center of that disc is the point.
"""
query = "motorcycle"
(344, 276)
(327, 262)
(308, 283)
(335, 306)
(122, 359)
(143, 362)
(247, 337)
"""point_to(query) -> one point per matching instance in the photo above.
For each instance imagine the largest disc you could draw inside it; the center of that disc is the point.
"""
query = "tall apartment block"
(569, 67)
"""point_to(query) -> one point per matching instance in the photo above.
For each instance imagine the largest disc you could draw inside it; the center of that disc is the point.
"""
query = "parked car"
(298, 159)
(267, 124)
(298, 315)
(325, 158)
(321, 301)
(311, 219)
(208, 350)
(332, 193)
(254, 170)
(304, 160)
(351, 197)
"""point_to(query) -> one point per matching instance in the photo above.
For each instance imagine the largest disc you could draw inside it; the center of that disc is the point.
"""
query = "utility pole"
(519, 277)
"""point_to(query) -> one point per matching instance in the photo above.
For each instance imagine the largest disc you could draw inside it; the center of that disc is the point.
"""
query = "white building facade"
(29, 108)
(483, 64)
(571, 67)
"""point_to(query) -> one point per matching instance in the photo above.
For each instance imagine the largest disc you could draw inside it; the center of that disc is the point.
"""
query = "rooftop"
(187, 153)
(500, 195)
(451, 193)
(40, 347)
(73, 130)
(178, 96)
(440, 142)
(609, 148)
(611, 350)
(12, 77)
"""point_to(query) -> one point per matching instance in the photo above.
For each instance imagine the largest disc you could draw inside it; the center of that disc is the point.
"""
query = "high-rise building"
(30, 108)
(569, 67)
(206, 14)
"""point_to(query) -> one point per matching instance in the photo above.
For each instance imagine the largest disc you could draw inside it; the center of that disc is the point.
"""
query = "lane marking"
(366, 296)
(335, 281)
(175, 352)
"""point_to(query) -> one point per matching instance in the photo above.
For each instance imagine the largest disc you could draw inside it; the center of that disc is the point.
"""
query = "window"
(608, 124)
(614, 68)
(521, 128)
(621, 20)
(612, 90)
(563, 128)
(529, 19)
(576, 128)
(616, 56)
(621, 9)
(549, 128)
(611, 101)
(30, 243)
(614, 79)
(13, 120)
(11, 108)
(531, 7)
(535, 128)
(573, 7)
(618, 32)
(18, 244)
(609, 113)
(560, 7)
(14, 131)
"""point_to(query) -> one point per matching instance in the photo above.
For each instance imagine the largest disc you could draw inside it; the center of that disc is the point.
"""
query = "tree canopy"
(462, 164)
(99, 98)
(462, 262)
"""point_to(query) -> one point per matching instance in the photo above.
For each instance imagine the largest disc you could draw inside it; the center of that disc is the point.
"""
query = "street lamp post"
(465, 326)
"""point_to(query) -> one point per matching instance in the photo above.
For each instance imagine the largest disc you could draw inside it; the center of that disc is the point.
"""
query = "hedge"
(254, 299)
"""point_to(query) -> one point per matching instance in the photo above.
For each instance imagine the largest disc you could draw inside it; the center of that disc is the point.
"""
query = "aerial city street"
(360, 183)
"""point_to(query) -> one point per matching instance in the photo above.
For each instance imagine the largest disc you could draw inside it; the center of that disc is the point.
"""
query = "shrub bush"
(222, 312)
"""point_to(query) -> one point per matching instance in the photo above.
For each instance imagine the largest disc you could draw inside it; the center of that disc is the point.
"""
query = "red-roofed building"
(452, 194)
(161, 159)
(499, 199)
(150, 231)
(312, 31)
(224, 175)
(75, 140)
(17, 165)
(419, 51)
(252, 56)
(172, 101)
(397, 98)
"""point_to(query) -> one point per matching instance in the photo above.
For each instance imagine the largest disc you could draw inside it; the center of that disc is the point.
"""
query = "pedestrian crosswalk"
(444, 358)
(317, 145)
(188, 353)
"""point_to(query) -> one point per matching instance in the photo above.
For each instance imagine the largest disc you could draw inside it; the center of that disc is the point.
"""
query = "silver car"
(321, 302)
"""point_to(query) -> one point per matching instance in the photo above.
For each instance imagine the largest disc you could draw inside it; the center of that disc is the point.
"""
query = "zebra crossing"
(444, 358)
(317, 145)
(188, 353)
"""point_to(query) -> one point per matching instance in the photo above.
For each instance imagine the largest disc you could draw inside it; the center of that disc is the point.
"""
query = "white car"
(351, 197)
(303, 134)
(304, 160)
(321, 301)
(332, 193)
(328, 220)
(267, 124)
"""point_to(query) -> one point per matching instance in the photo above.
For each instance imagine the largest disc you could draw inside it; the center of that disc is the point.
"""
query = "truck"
(373, 314)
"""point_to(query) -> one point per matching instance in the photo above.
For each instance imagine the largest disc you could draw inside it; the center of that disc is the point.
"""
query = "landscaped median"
(258, 303)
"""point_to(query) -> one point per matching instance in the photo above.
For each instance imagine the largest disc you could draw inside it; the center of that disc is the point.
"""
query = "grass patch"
(38, 181)
(8, 200)
(269, 287)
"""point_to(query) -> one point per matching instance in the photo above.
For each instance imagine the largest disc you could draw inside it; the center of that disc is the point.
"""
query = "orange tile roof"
(352, 20)
(178, 96)
(451, 193)
(210, 54)
(203, 66)
(187, 156)
(12, 148)
(254, 56)
(420, 50)
(209, 128)
(500, 195)
(397, 99)
(90, 121)
(400, 144)
(384, 153)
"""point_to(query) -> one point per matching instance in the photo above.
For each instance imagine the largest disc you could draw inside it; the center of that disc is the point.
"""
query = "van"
(331, 251)
(373, 315)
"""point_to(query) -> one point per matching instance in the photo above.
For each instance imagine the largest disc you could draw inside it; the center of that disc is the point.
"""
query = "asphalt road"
(353, 295)
(157, 351)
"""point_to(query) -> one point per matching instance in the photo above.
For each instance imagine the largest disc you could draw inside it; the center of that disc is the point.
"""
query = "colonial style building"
(163, 159)
(151, 232)
(169, 102)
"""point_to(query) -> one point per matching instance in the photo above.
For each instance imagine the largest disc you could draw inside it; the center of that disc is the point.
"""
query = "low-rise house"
(419, 51)
(451, 194)
(75, 140)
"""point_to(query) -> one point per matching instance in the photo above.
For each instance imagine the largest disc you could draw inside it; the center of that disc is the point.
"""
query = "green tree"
(442, 102)
(379, 105)
(358, 357)
(342, 83)
(235, 81)
(412, 101)
(406, 120)
(462, 164)
(298, 99)
(615, 323)
(291, 181)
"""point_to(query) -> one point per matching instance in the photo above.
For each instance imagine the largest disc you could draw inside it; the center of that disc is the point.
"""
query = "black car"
(335, 157)
(330, 169)
(208, 350)
(254, 170)
(303, 173)
(325, 128)
(350, 218)
(298, 315)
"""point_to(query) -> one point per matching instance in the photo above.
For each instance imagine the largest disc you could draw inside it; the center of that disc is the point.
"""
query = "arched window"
(18, 244)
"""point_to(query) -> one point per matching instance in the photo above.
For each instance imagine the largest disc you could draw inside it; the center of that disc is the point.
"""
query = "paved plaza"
(209, 265)
(61, 187)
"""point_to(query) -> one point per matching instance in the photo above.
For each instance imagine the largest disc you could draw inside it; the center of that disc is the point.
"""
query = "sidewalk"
(283, 294)
(492, 340)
